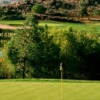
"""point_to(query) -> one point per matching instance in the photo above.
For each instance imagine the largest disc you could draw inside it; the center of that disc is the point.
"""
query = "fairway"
(27, 90)
(55, 24)
(76, 26)
(12, 22)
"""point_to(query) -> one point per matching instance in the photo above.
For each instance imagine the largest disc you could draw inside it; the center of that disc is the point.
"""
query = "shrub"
(97, 12)
(38, 8)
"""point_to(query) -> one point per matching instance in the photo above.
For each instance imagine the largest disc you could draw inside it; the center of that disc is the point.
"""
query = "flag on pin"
(60, 66)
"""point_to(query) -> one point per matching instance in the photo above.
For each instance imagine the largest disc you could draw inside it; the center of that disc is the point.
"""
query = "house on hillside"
(13, 1)
(4, 2)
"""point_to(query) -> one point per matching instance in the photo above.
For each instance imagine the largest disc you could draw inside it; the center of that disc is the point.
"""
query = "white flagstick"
(61, 69)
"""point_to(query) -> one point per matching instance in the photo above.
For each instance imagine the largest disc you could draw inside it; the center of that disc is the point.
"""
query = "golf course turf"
(49, 90)
(56, 24)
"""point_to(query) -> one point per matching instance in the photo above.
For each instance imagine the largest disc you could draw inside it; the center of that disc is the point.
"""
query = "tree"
(33, 46)
(97, 12)
(1, 12)
(83, 7)
(32, 22)
(83, 12)
(21, 47)
(48, 56)
(80, 56)
(38, 8)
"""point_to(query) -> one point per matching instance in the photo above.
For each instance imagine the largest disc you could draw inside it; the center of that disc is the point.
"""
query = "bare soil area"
(2, 26)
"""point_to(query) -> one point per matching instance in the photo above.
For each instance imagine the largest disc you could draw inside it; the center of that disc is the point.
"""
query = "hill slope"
(65, 8)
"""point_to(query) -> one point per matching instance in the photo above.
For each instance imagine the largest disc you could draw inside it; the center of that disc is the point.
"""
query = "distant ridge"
(60, 8)
(4, 2)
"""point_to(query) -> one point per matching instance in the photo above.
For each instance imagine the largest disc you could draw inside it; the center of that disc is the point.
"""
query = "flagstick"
(61, 69)
(61, 84)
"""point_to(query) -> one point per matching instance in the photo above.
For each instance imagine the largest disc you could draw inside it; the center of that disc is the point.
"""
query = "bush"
(38, 8)
(6, 71)
(97, 12)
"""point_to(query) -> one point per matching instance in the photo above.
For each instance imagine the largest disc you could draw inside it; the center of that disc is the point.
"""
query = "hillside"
(5, 2)
(59, 8)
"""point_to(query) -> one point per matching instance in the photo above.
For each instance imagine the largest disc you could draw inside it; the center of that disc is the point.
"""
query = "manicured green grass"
(49, 90)
(76, 26)
(12, 22)
(56, 24)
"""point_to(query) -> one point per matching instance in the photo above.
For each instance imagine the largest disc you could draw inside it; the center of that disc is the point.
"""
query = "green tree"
(33, 46)
(38, 8)
(78, 52)
(82, 12)
(97, 12)
(21, 48)
(80, 55)
(48, 56)
(1, 12)
(83, 7)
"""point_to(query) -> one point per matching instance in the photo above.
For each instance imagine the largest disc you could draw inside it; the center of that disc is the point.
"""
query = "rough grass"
(49, 90)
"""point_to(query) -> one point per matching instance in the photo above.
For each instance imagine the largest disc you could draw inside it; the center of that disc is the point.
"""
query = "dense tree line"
(36, 51)
(5, 35)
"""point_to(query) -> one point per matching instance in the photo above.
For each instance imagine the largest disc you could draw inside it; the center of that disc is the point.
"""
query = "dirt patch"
(7, 27)
(97, 24)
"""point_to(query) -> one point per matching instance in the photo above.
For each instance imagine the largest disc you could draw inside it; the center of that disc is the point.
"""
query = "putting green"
(49, 91)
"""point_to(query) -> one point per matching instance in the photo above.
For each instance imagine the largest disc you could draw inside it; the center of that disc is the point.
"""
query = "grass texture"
(56, 24)
(76, 26)
(12, 22)
(49, 90)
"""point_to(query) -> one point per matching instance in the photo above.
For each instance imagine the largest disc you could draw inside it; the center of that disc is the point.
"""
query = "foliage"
(84, 3)
(40, 50)
(48, 56)
(50, 7)
(37, 51)
(32, 46)
(19, 48)
(31, 21)
(97, 12)
(38, 8)
(6, 68)
(83, 7)
(82, 52)
(79, 53)
(6, 31)
(83, 11)
(1, 12)
(5, 35)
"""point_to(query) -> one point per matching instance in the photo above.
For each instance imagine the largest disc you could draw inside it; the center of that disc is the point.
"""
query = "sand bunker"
(2, 26)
